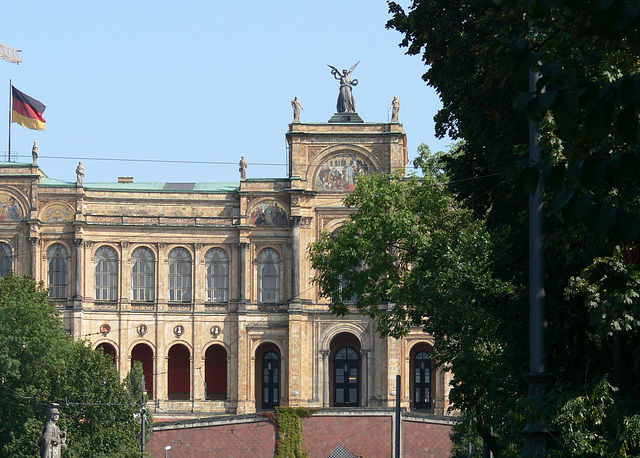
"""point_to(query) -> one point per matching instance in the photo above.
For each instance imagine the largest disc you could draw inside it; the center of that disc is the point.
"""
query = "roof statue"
(297, 106)
(395, 108)
(80, 174)
(242, 168)
(346, 102)
(34, 153)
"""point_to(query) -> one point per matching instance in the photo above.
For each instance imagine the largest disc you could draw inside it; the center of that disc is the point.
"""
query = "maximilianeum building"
(209, 285)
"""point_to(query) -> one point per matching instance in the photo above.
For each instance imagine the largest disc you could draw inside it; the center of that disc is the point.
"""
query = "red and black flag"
(27, 111)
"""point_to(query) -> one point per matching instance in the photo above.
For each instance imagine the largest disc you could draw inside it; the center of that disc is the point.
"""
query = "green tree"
(39, 364)
(585, 104)
(411, 256)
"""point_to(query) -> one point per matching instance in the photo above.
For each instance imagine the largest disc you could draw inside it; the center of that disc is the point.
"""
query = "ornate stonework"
(232, 309)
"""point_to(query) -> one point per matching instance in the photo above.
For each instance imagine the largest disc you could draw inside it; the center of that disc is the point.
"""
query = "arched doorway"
(108, 349)
(421, 377)
(215, 369)
(268, 376)
(346, 371)
(179, 376)
(143, 353)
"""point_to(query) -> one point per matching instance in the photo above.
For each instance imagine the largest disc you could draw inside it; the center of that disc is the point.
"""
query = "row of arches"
(143, 274)
(345, 368)
(179, 369)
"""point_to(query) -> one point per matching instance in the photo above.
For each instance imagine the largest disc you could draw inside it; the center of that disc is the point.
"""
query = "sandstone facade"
(209, 285)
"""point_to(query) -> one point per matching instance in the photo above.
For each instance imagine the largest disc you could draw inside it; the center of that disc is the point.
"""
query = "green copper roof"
(46, 181)
(164, 187)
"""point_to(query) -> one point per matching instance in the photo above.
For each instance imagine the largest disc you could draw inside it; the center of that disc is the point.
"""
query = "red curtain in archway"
(144, 354)
(216, 372)
(179, 376)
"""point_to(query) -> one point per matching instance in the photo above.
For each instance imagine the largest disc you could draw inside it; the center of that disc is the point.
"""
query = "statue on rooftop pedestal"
(242, 168)
(53, 441)
(34, 153)
(295, 103)
(395, 109)
(346, 102)
(79, 174)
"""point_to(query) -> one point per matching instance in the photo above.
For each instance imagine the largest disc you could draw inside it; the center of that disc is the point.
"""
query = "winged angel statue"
(346, 102)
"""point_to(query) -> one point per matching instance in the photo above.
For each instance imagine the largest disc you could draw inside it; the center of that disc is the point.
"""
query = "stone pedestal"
(346, 117)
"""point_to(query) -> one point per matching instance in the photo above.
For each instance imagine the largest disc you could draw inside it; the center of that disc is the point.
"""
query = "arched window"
(422, 380)
(270, 380)
(106, 278)
(343, 295)
(179, 375)
(57, 275)
(215, 369)
(217, 264)
(346, 381)
(143, 353)
(6, 259)
(179, 275)
(142, 275)
(108, 349)
(269, 276)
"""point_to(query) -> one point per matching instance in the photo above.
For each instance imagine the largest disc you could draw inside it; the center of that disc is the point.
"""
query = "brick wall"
(238, 440)
(369, 436)
(364, 434)
(429, 440)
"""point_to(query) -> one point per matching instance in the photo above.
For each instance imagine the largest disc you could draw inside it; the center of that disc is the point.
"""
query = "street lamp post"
(166, 451)
(535, 433)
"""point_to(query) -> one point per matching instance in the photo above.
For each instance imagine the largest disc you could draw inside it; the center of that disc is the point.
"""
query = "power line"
(177, 161)
(157, 161)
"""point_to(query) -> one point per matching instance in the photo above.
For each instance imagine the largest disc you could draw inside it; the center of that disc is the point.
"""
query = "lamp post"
(166, 450)
(535, 432)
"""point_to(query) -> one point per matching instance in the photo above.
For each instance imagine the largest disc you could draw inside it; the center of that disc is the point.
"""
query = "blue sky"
(203, 81)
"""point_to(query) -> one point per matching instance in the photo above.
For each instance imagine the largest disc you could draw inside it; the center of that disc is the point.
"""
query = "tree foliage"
(411, 256)
(39, 365)
(585, 105)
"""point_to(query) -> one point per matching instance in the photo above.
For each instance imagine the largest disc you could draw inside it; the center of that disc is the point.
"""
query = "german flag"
(27, 111)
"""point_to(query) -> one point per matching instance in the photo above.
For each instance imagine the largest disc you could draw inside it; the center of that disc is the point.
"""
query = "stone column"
(325, 377)
(295, 303)
(78, 293)
(242, 280)
(198, 291)
(365, 378)
(124, 273)
(34, 256)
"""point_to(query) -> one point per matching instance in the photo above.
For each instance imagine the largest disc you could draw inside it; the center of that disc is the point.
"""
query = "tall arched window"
(215, 370)
(269, 276)
(344, 294)
(57, 275)
(217, 264)
(270, 380)
(179, 275)
(422, 380)
(179, 375)
(142, 275)
(110, 350)
(6, 259)
(143, 353)
(106, 277)
(346, 382)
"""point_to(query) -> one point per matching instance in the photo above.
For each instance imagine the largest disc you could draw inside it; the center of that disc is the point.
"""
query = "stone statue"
(53, 441)
(295, 103)
(243, 168)
(395, 109)
(34, 153)
(79, 174)
(346, 102)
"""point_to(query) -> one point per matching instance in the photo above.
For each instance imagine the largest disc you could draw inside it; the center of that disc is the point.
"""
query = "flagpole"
(10, 102)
